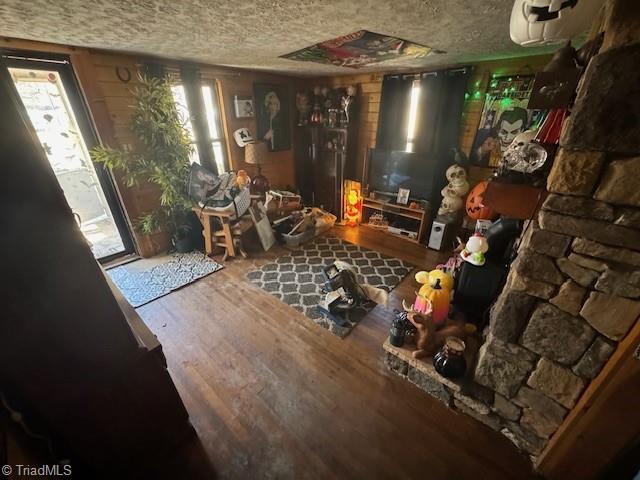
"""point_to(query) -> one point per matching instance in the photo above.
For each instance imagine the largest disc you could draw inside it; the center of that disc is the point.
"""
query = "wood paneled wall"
(110, 103)
(367, 108)
(370, 86)
(280, 167)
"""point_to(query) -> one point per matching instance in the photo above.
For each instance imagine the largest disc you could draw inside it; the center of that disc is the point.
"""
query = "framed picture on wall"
(505, 115)
(272, 115)
(243, 107)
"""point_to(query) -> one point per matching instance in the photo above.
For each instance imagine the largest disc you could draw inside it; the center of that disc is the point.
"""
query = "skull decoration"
(541, 22)
(452, 193)
(523, 155)
(450, 205)
(455, 189)
(456, 174)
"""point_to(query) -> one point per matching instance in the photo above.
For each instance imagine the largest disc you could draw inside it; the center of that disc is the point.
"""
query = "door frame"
(62, 65)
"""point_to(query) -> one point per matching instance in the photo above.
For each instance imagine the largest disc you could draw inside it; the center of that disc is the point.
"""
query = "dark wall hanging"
(272, 115)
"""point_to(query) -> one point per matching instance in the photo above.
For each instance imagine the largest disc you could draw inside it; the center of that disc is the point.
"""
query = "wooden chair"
(228, 237)
(237, 229)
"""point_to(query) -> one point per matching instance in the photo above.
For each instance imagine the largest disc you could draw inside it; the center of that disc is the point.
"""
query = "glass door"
(52, 100)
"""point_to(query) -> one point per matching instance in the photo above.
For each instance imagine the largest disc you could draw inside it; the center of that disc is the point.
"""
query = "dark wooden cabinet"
(325, 158)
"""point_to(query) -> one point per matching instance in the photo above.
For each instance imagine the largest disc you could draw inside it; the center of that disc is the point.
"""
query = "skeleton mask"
(456, 174)
(540, 22)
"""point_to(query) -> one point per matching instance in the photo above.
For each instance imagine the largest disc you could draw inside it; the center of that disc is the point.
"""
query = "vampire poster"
(359, 49)
(504, 116)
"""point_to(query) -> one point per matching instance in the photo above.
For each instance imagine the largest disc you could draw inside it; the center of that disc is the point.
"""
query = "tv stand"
(416, 219)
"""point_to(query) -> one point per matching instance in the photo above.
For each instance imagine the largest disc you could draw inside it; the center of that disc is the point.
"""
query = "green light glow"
(506, 102)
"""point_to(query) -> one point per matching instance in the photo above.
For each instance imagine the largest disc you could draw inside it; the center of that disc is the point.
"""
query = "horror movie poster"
(504, 116)
(360, 49)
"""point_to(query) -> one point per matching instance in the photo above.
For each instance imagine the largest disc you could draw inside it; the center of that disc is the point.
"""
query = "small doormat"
(297, 278)
(145, 280)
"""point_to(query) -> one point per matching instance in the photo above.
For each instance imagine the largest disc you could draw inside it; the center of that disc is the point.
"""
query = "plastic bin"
(297, 239)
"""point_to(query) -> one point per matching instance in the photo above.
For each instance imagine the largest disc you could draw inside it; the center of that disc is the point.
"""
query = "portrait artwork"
(504, 116)
(272, 116)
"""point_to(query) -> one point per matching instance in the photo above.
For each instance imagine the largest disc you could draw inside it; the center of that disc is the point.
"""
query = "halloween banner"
(505, 115)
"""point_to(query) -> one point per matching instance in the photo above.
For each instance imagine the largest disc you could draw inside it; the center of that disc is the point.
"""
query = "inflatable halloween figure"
(434, 294)
(542, 22)
(352, 208)
(475, 249)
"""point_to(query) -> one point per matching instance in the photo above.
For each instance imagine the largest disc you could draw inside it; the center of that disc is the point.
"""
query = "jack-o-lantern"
(475, 207)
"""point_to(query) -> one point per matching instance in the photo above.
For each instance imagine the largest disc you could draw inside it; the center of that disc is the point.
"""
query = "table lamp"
(255, 154)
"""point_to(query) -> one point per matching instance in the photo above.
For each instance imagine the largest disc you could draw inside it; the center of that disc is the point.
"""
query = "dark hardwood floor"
(272, 395)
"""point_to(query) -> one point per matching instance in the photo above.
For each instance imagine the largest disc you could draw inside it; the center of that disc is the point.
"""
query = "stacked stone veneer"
(573, 291)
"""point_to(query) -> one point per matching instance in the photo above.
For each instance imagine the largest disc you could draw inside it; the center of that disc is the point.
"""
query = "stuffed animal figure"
(242, 179)
(424, 331)
(430, 337)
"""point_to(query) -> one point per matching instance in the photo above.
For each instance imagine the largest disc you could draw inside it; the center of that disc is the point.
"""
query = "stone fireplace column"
(574, 290)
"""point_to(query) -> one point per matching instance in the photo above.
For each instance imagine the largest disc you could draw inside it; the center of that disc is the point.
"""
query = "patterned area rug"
(145, 280)
(297, 279)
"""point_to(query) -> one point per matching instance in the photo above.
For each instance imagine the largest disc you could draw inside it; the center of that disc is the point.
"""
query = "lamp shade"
(255, 153)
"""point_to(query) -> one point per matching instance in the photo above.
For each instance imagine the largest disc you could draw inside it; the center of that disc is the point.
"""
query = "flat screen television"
(395, 169)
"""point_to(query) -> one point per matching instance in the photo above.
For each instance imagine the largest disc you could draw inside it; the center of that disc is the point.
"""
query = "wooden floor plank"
(273, 395)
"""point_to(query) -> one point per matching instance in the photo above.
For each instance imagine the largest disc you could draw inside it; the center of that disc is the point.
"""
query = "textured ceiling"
(252, 34)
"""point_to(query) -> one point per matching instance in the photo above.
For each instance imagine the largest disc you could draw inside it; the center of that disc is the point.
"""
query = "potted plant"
(163, 159)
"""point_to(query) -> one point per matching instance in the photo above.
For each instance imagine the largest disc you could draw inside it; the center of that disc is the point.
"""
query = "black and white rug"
(297, 278)
(145, 280)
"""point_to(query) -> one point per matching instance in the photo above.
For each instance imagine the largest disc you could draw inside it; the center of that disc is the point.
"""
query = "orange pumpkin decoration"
(475, 208)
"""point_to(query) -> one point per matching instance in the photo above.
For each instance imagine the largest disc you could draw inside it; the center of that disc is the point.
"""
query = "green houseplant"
(163, 159)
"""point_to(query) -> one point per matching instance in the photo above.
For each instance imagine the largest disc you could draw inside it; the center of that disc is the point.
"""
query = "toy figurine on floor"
(430, 337)
(424, 328)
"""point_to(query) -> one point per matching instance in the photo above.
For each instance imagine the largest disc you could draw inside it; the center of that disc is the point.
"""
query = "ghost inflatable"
(543, 22)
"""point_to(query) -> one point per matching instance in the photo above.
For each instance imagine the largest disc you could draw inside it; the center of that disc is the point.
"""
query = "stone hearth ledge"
(459, 394)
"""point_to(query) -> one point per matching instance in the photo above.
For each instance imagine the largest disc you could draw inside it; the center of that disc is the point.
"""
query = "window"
(201, 116)
(214, 126)
(413, 111)
(179, 96)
